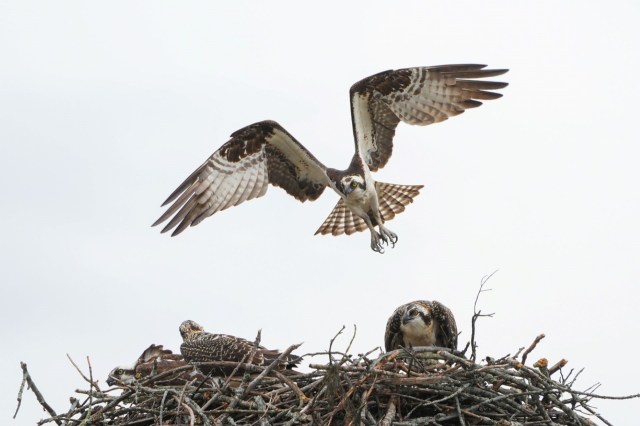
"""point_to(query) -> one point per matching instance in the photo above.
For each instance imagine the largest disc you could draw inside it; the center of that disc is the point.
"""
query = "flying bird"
(199, 346)
(154, 360)
(265, 153)
(421, 323)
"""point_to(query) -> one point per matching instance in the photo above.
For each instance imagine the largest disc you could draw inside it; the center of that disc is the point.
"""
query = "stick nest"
(421, 386)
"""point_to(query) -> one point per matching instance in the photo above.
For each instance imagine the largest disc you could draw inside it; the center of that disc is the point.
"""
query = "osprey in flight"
(421, 323)
(265, 153)
(199, 346)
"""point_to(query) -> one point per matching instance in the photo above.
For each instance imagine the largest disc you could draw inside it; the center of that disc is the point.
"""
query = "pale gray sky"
(106, 107)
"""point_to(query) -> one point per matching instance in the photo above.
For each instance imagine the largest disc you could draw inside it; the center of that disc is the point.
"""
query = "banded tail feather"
(340, 221)
(265, 153)
(392, 199)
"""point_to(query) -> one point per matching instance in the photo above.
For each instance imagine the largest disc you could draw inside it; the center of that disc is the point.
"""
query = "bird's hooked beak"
(347, 188)
(111, 381)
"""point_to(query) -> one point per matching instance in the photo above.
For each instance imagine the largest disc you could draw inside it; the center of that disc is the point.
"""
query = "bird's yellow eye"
(354, 184)
(120, 372)
(413, 312)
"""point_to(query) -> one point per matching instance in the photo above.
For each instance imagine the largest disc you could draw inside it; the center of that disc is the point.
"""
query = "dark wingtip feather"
(162, 218)
(177, 192)
(183, 225)
(470, 103)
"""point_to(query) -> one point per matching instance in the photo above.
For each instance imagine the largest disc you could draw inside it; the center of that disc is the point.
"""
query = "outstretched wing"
(421, 96)
(257, 155)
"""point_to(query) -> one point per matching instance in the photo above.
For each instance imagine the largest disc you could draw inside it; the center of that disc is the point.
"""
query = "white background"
(105, 107)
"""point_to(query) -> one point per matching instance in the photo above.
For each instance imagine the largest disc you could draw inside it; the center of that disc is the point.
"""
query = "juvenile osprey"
(199, 346)
(265, 152)
(421, 323)
(154, 360)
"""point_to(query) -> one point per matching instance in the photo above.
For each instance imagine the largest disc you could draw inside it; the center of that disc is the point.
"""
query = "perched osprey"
(154, 360)
(198, 346)
(265, 152)
(421, 323)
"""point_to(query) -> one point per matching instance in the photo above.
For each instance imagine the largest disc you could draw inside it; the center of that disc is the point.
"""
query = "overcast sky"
(105, 107)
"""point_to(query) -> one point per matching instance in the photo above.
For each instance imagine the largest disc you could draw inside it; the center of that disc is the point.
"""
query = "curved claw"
(387, 235)
(375, 242)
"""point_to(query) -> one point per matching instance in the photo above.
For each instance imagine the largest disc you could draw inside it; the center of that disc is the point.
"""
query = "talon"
(388, 236)
(375, 243)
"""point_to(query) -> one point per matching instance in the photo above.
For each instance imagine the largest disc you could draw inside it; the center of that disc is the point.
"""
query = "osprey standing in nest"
(265, 152)
(198, 346)
(421, 323)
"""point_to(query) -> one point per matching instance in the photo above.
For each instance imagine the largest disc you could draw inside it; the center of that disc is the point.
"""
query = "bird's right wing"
(392, 335)
(257, 155)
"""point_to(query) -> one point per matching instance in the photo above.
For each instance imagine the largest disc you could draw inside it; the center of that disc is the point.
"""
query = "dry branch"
(418, 386)
(448, 389)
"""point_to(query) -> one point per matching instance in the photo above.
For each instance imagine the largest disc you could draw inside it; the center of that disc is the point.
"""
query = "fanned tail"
(341, 220)
(392, 199)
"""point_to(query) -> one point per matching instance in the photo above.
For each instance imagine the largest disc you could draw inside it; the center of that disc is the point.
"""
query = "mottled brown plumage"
(417, 96)
(154, 360)
(421, 323)
(265, 153)
(199, 346)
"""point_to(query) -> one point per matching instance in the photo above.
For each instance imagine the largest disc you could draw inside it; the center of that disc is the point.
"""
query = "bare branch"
(27, 377)
(531, 347)
(477, 313)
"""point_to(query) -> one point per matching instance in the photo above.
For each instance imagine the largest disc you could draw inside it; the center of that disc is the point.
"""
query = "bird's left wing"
(447, 328)
(257, 155)
(421, 96)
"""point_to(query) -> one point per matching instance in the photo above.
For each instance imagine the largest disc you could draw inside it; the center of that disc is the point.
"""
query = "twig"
(192, 417)
(459, 411)
(477, 314)
(450, 389)
(390, 414)
(331, 344)
(270, 367)
(88, 380)
(353, 337)
(531, 347)
(27, 377)
(557, 366)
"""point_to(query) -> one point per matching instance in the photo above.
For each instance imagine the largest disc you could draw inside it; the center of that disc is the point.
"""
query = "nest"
(420, 386)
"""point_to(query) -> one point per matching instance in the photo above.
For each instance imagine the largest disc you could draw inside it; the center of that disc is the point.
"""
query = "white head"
(124, 374)
(417, 326)
(352, 184)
